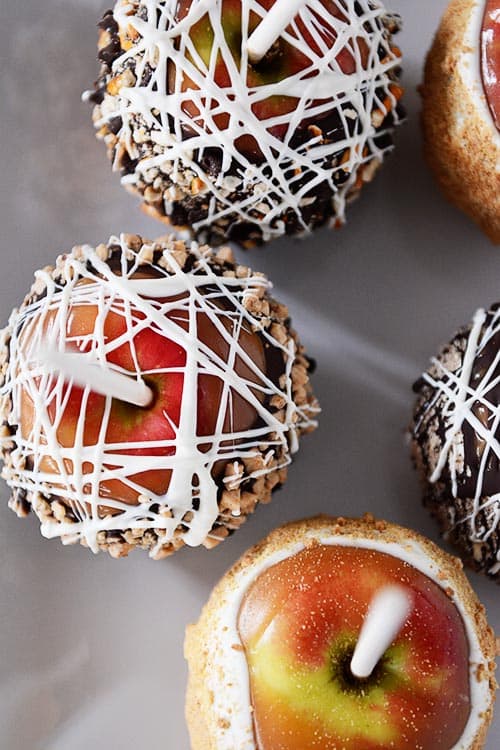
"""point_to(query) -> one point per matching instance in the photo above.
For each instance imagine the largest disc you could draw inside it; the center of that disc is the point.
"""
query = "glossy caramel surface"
(299, 623)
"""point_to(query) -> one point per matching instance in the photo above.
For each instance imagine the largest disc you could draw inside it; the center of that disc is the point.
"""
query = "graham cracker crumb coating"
(462, 144)
(202, 714)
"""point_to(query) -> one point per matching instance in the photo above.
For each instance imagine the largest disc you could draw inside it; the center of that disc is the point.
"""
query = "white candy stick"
(271, 27)
(101, 380)
(387, 613)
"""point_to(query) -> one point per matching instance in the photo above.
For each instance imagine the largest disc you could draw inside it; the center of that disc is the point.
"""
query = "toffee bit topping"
(88, 487)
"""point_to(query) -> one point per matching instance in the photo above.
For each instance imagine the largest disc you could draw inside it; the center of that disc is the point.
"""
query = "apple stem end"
(271, 28)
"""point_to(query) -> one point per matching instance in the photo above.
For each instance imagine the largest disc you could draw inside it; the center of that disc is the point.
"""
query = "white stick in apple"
(387, 613)
(102, 380)
(272, 27)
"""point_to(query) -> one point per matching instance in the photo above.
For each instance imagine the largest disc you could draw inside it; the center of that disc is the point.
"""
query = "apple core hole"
(270, 62)
(340, 671)
(154, 394)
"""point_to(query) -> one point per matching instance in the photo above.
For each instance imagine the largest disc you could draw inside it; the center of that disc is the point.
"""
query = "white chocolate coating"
(191, 464)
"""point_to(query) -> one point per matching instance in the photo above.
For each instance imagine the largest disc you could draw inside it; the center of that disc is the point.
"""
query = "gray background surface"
(91, 648)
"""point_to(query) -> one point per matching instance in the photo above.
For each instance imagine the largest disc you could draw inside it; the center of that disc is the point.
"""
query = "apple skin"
(298, 624)
(490, 58)
(129, 423)
(282, 61)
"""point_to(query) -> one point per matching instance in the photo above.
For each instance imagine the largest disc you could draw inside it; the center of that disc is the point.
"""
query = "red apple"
(281, 62)
(131, 424)
(490, 57)
(299, 623)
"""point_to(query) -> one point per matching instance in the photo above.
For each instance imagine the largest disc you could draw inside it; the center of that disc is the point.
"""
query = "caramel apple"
(299, 623)
(227, 396)
(229, 146)
(271, 658)
(162, 363)
(455, 440)
(461, 110)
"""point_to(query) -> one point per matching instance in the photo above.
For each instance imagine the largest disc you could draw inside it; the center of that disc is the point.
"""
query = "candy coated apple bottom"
(490, 57)
(299, 623)
(150, 431)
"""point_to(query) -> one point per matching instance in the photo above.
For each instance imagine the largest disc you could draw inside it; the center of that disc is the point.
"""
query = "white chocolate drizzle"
(321, 88)
(227, 670)
(271, 27)
(190, 505)
(457, 398)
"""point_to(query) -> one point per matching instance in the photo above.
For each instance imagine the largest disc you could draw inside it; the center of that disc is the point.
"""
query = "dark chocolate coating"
(462, 496)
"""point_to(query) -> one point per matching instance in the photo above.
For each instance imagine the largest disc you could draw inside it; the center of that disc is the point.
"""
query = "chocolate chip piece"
(211, 161)
(108, 23)
(127, 164)
(97, 97)
(243, 231)
(115, 125)
(108, 54)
